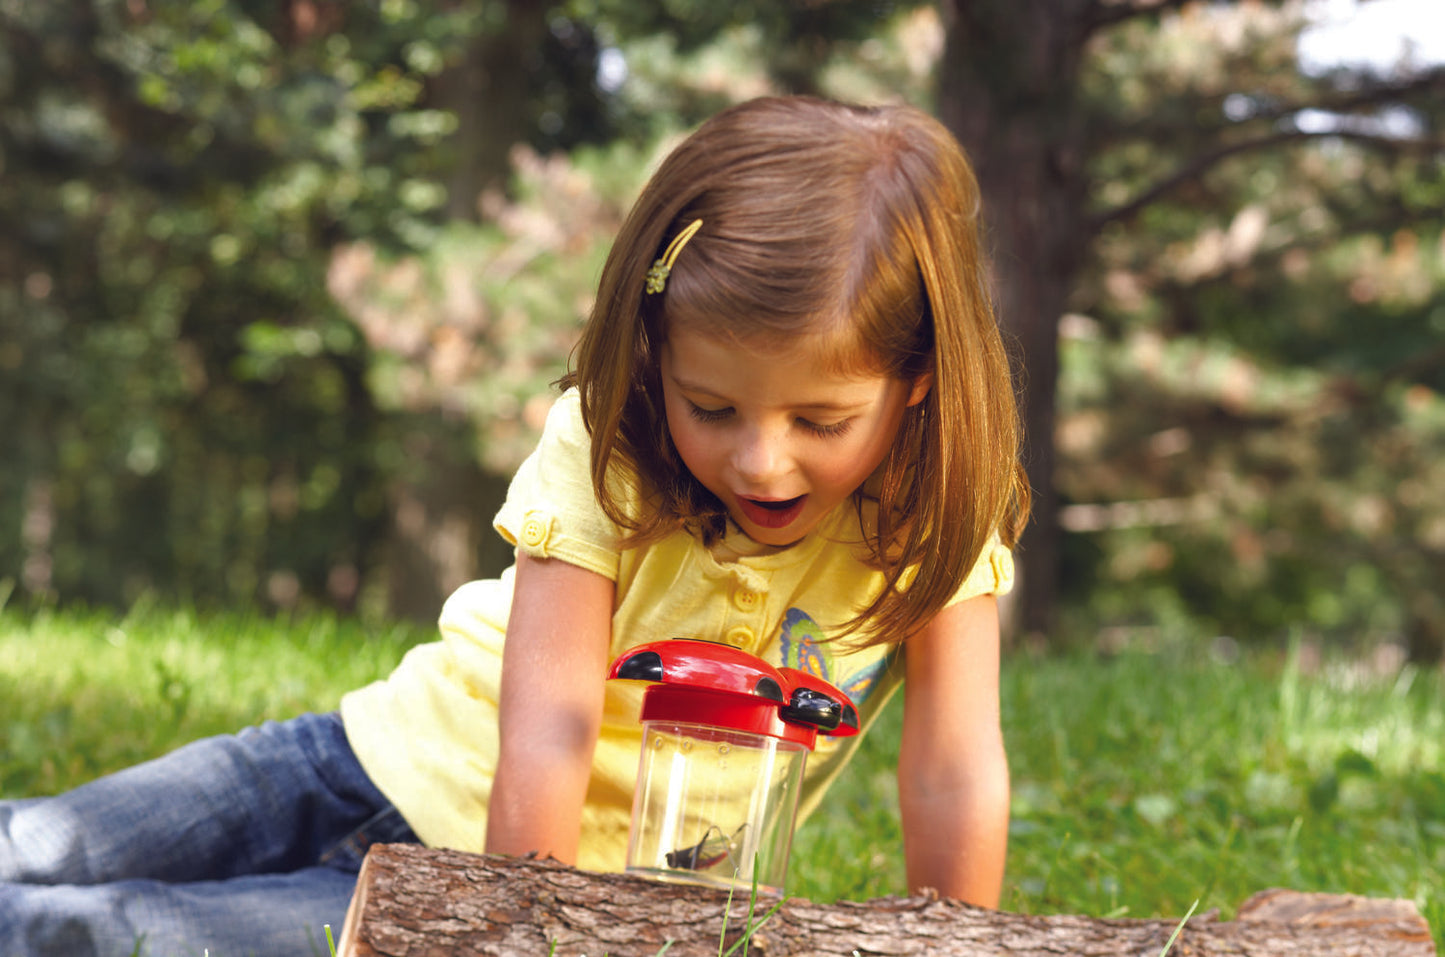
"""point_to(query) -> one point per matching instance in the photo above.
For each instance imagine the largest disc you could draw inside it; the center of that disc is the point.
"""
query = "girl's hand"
(953, 783)
(554, 669)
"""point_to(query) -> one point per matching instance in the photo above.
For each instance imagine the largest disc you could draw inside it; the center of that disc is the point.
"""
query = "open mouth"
(772, 514)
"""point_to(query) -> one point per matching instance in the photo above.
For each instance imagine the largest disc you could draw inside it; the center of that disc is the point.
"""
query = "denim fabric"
(234, 845)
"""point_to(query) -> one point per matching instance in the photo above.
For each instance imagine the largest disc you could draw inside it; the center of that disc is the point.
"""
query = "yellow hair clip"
(661, 268)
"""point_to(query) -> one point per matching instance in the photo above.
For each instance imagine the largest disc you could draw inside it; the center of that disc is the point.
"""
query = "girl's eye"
(832, 430)
(708, 415)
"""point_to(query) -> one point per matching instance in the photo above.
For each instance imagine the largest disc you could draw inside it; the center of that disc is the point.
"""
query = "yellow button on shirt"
(745, 599)
(740, 637)
(535, 531)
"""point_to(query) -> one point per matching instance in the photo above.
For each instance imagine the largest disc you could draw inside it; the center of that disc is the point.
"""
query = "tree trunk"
(412, 901)
(490, 92)
(441, 509)
(1005, 89)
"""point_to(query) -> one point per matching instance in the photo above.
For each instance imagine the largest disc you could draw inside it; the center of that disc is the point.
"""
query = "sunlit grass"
(1142, 781)
(87, 692)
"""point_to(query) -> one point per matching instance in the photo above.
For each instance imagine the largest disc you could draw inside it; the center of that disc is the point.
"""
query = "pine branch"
(1368, 93)
(1199, 165)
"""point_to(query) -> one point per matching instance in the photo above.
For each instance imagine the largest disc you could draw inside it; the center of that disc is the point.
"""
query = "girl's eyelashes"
(707, 415)
(830, 430)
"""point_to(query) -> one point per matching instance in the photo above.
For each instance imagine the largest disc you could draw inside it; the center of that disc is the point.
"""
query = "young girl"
(789, 426)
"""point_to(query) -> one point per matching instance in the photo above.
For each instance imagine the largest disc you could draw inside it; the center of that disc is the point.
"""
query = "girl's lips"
(772, 514)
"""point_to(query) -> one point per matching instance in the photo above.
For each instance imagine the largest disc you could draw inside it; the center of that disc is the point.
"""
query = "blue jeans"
(237, 845)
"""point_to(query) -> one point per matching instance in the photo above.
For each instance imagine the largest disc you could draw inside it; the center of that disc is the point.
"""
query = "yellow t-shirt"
(427, 734)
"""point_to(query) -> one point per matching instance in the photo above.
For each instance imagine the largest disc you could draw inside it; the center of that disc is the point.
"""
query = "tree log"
(417, 902)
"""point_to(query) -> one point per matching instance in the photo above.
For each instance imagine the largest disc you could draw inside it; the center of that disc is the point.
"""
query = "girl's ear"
(920, 388)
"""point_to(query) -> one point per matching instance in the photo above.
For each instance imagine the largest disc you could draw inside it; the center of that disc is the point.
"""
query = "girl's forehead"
(805, 369)
(831, 346)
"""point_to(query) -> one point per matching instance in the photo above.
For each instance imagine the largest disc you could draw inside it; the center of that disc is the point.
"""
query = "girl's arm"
(953, 783)
(554, 668)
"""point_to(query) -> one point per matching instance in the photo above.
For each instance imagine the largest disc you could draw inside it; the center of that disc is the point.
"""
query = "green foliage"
(187, 406)
(792, 43)
(1249, 416)
(278, 292)
(1265, 499)
(238, 336)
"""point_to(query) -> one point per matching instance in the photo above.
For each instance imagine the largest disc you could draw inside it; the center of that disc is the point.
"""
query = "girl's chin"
(774, 538)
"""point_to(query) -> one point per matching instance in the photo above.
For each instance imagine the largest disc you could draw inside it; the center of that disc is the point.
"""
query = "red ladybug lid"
(710, 683)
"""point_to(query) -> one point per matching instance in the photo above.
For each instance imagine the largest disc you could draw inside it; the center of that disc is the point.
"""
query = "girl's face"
(774, 432)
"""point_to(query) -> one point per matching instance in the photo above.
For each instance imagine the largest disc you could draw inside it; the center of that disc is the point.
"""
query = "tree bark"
(1006, 90)
(441, 510)
(490, 90)
(412, 901)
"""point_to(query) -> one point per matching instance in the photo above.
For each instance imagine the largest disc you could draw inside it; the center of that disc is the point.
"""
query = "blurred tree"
(1099, 126)
(185, 409)
(281, 284)
(185, 405)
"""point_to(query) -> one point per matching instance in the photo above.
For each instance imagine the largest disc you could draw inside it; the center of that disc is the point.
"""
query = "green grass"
(83, 693)
(1143, 782)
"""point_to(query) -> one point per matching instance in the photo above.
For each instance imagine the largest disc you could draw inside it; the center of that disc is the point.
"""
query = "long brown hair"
(818, 216)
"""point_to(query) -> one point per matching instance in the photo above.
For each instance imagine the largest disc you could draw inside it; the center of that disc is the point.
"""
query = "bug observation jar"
(725, 739)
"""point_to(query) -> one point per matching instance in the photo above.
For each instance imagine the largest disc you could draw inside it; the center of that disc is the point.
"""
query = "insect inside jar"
(713, 849)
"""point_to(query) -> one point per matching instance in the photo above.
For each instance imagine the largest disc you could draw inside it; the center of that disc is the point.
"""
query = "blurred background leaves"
(283, 286)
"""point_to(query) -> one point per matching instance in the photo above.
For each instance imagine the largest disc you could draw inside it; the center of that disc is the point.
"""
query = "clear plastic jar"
(715, 806)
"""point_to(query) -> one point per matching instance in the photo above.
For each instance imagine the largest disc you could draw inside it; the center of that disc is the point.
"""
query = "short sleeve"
(992, 574)
(551, 509)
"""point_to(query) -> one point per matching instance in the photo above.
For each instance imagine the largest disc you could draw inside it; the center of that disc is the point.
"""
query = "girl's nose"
(760, 456)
